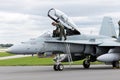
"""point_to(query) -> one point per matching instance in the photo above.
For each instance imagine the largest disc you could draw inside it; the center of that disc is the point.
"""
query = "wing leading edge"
(110, 44)
(87, 42)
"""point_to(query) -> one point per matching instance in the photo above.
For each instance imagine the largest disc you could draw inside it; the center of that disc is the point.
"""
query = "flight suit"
(56, 32)
(62, 31)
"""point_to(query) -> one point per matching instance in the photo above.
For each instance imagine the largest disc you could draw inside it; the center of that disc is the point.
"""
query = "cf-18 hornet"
(104, 47)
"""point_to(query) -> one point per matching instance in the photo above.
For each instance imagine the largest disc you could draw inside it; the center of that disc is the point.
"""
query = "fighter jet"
(90, 48)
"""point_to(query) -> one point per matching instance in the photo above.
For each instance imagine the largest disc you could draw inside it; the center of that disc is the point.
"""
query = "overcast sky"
(21, 20)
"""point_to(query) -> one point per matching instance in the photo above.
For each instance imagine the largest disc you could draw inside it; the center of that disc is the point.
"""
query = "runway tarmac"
(96, 72)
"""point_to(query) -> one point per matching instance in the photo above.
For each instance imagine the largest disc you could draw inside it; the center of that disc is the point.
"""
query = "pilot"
(60, 29)
(56, 32)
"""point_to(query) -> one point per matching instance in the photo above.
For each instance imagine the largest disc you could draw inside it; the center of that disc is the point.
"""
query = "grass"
(3, 54)
(27, 61)
(34, 61)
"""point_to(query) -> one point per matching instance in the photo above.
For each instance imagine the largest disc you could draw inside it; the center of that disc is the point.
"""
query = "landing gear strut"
(86, 62)
(58, 66)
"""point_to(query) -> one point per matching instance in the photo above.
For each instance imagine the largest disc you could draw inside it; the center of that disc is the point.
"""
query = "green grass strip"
(34, 61)
(27, 61)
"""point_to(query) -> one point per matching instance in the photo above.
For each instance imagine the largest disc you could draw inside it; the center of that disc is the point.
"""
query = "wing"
(110, 44)
(86, 42)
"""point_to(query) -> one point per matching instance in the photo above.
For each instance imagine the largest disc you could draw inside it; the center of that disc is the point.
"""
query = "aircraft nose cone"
(9, 50)
(12, 50)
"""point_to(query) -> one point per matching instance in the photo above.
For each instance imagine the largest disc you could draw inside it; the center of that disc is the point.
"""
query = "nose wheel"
(58, 67)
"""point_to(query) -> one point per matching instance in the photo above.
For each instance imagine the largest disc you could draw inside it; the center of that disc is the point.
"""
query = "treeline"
(6, 45)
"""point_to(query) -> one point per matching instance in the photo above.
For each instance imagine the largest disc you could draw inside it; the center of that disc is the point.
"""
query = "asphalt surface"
(96, 72)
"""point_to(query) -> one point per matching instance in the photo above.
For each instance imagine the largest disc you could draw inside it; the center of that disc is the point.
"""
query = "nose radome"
(9, 50)
(13, 49)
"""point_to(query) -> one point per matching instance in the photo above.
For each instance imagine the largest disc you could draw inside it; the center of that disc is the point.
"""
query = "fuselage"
(37, 45)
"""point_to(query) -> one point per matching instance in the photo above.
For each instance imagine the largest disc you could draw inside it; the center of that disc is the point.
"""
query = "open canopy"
(57, 15)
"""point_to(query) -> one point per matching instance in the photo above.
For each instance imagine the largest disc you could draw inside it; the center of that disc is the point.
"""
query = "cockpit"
(59, 16)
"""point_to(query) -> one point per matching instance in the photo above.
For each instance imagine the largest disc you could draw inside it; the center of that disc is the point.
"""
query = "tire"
(86, 64)
(55, 67)
(60, 67)
(115, 64)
